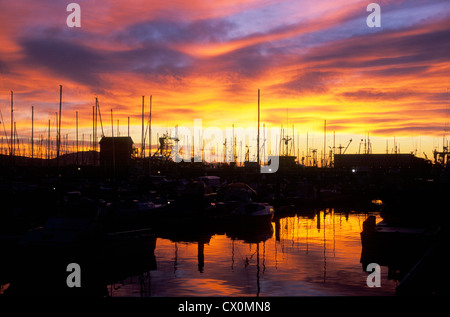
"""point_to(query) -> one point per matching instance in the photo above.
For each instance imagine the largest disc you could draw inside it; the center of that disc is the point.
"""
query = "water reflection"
(306, 253)
(300, 254)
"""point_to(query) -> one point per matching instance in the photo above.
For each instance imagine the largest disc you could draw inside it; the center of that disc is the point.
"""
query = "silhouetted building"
(116, 153)
(382, 161)
(284, 161)
(442, 157)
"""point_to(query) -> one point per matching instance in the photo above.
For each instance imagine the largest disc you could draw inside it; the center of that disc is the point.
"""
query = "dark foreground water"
(314, 254)
(301, 255)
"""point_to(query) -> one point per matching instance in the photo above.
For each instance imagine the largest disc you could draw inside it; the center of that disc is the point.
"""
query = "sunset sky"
(312, 61)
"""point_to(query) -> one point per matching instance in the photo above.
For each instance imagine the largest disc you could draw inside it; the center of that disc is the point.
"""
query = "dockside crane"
(340, 147)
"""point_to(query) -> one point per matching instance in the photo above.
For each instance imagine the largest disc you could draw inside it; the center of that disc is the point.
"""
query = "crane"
(165, 145)
(340, 147)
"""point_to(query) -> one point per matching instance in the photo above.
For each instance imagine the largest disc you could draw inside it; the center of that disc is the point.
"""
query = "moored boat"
(243, 212)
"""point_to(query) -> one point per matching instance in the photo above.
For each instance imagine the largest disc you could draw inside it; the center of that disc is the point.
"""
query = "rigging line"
(4, 129)
(100, 115)
(146, 130)
(17, 138)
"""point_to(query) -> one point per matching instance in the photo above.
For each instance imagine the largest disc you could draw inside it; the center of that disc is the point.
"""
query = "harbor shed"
(116, 152)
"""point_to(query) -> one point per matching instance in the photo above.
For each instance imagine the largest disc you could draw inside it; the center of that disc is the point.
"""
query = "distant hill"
(83, 158)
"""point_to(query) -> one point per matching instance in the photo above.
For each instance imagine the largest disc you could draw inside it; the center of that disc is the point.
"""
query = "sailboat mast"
(307, 149)
(58, 141)
(325, 143)
(113, 147)
(11, 151)
(142, 132)
(257, 141)
(32, 132)
(76, 122)
(93, 125)
(48, 143)
(150, 137)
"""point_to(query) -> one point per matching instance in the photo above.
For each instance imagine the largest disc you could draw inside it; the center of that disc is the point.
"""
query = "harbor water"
(301, 254)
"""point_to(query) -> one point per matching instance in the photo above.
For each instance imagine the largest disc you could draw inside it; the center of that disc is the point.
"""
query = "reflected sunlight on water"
(301, 255)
